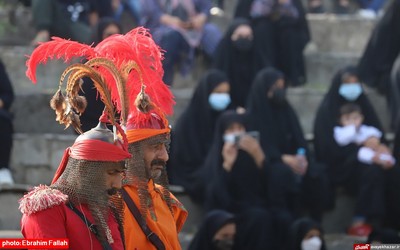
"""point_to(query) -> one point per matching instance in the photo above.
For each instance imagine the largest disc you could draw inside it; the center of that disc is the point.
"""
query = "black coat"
(191, 137)
(338, 158)
(239, 66)
(280, 42)
(6, 93)
(377, 62)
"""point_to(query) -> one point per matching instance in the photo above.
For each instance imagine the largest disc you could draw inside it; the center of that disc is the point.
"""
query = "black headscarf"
(213, 221)
(245, 185)
(193, 132)
(6, 93)
(378, 59)
(239, 66)
(394, 102)
(382, 49)
(280, 42)
(325, 146)
(279, 127)
(298, 231)
(253, 230)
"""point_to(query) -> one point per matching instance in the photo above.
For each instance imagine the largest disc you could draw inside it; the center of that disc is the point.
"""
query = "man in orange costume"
(153, 217)
(156, 208)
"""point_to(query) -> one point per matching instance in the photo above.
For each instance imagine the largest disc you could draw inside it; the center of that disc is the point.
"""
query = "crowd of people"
(238, 149)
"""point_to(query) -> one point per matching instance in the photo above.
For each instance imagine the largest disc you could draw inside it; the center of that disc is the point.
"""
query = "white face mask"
(313, 243)
(219, 101)
(350, 91)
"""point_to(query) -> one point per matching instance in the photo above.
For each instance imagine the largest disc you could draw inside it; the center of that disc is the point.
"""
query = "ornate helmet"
(130, 65)
(78, 174)
(153, 101)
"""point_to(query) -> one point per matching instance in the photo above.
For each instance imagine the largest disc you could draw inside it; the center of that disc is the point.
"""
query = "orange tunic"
(165, 226)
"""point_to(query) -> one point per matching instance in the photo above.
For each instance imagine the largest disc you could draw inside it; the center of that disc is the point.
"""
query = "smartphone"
(254, 134)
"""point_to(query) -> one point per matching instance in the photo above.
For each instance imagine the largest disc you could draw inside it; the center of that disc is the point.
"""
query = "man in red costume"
(82, 203)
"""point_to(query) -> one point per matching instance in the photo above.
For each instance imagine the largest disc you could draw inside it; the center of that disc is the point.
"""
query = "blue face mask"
(219, 101)
(350, 91)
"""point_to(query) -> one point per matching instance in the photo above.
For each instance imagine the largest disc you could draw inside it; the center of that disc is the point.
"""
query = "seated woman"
(306, 234)
(283, 141)
(221, 230)
(280, 34)
(238, 175)
(365, 180)
(193, 131)
(237, 56)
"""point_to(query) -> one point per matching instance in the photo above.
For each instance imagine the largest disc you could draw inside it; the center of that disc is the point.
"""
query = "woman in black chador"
(280, 135)
(377, 62)
(237, 56)
(305, 233)
(221, 230)
(191, 137)
(364, 180)
(280, 34)
(238, 177)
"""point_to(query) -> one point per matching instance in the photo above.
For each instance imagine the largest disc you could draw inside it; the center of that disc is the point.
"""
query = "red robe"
(55, 220)
(163, 223)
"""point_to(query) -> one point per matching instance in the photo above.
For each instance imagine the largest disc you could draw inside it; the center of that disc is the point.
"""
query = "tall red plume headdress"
(127, 65)
(153, 99)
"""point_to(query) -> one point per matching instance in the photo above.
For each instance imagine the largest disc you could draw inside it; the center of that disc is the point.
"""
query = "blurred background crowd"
(238, 148)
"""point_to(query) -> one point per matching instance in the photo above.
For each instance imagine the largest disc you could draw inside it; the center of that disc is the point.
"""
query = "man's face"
(155, 159)
(114, 175)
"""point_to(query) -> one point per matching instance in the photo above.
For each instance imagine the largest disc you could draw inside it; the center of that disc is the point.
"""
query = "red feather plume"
(139, 47)
(55, 49)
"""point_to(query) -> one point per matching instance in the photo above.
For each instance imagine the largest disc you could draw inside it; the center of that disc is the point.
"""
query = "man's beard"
(156, 173)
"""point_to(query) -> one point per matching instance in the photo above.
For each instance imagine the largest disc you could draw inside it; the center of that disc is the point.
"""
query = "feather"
(57, 101)
(144, 55)
(79, 103)
(143, 102)
(56, 48)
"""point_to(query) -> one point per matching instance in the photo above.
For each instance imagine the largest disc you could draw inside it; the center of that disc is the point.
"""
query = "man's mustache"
(112, 191)
(158, 162)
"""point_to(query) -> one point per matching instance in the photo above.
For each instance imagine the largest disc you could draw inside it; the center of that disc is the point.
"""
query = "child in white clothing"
(353, 131)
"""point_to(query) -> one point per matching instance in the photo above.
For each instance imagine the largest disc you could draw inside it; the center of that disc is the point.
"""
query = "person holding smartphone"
(237, 173)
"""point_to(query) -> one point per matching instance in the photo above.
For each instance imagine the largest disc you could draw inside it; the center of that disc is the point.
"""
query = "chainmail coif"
(85, 184)
(138, 176)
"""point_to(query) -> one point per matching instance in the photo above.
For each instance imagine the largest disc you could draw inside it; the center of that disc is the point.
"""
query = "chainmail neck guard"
(138, 176)
(85, 184)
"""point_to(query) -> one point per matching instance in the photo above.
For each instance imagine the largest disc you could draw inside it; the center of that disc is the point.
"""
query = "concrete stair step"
(340, 33)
